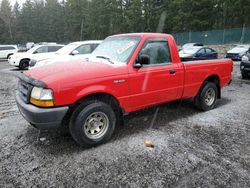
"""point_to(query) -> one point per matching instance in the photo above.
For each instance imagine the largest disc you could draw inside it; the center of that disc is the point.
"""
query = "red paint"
(143, 87)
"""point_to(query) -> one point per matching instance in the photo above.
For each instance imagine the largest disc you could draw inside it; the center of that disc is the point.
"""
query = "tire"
(24, 64)
(206, 98)
(84, 122)
(244, 75)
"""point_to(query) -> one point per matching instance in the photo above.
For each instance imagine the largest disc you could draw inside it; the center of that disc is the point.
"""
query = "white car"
(22, 60)
(7, 50)
(191, 45)
(81, 48)
(237, 52)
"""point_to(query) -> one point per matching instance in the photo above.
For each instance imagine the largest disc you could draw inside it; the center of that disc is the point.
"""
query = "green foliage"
(72, 20)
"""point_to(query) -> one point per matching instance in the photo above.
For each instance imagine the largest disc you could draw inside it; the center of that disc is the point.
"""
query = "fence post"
(189, 37)
(243, 34)
(223, 36)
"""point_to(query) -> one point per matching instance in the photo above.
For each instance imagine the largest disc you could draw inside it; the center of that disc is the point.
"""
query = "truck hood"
(76, 70)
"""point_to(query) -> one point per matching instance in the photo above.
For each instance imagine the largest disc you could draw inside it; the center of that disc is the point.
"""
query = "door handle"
(172, 71)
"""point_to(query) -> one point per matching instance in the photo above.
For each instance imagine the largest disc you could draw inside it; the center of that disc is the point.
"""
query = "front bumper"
(12, 62)
(41, 118)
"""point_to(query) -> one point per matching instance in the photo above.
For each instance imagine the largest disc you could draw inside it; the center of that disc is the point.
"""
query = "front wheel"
(23, 64)
(92, 124)
(207, 96)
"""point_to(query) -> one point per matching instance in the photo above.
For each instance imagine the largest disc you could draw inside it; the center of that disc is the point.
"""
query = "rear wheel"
(207, 96)
(24, 64)
(92, 123)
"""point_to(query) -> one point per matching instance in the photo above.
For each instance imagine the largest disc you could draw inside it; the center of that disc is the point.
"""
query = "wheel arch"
(105, 98)
(9, 55)
(23, 59)
(216, 80)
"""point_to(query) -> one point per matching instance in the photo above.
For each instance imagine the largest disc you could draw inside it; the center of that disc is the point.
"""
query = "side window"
(54, 48)
(7, 48)
(42, 49)
(84, 49)
(93, 46)
(208, 50)
(201, 51)
(158, 51)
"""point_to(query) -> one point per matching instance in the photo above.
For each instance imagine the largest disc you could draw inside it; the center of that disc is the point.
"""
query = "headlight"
(42, 97)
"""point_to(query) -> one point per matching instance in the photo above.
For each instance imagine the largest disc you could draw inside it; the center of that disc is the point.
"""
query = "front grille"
(24, 89)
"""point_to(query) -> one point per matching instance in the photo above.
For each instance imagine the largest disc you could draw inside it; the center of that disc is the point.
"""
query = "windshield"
(31, 50)
(67, 49)
(189, 50)
(117, 48)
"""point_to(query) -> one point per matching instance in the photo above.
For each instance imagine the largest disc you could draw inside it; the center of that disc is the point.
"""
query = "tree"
(6, 16)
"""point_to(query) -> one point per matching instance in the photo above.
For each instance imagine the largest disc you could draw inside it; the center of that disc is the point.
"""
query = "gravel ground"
(192, 148)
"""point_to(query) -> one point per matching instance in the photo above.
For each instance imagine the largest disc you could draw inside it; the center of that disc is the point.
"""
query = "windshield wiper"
(104, 57)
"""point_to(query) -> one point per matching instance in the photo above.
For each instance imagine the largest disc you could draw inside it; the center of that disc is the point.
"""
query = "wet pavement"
(191, 148)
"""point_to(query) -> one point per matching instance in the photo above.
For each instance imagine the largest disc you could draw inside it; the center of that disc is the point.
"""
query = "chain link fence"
(226, 36)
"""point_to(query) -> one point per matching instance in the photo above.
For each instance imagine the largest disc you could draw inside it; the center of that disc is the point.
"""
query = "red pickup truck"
(125, 73)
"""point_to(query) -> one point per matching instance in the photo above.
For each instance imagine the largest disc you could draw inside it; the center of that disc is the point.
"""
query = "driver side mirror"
(75, 52)
(35, 52)
(142, 60)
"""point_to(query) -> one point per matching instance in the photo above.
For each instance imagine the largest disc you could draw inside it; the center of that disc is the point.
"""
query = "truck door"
(159, 81)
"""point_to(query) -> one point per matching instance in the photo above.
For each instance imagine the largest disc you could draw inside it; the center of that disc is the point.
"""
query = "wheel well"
(216, 80)
(9, 55)
(25, 59)
(106, 98)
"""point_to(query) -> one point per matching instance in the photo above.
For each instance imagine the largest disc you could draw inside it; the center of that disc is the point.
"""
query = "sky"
(12, 2)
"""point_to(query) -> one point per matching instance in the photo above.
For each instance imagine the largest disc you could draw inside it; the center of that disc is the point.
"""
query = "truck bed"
(197, 71)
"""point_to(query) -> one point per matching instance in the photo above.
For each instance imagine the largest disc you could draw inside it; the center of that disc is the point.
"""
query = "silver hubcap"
(96, 125)
(210, 96)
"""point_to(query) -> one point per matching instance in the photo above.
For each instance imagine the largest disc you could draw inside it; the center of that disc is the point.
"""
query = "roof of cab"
(143, 34)
(87, 41)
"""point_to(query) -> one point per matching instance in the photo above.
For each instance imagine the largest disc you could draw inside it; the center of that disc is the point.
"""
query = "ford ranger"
(125, 73)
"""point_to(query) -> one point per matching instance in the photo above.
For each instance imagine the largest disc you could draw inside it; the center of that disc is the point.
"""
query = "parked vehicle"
(237, 52)
(124, 74)
(190, 45)
(197, 53)
(7, 50)
(245, 65)
(73, 49)
(30, 45)
(21, 60)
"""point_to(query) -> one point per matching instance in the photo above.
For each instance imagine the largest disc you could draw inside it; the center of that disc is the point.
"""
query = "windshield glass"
(117, 48)
(31, 50)
(189, 50)
(67, 49)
